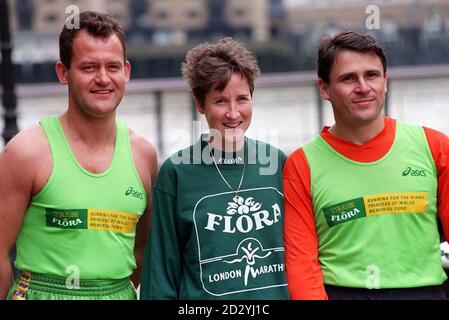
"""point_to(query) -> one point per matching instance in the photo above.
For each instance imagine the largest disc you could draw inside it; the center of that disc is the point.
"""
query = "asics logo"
(134, 193)
(413, 172)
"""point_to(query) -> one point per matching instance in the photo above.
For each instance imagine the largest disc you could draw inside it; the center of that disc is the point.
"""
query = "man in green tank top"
(363, 198)
(74, 189)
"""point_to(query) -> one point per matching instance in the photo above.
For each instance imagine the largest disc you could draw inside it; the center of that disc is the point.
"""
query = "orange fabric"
(370, 151)
(439, 146)
(303, 270)
(304, 277)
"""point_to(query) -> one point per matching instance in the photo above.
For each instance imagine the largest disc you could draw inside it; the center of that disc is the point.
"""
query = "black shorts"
(419, 293)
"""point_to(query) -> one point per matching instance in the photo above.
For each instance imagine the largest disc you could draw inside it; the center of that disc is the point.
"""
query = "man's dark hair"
(329, 48)
(96, 24)
(212, 64)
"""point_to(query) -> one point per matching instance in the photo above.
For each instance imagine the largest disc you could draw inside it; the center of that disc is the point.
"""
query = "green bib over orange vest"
(83, 224)
(377, 221)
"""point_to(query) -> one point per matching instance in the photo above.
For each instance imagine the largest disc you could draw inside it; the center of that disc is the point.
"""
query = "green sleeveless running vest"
(377, 221)
(83, 224)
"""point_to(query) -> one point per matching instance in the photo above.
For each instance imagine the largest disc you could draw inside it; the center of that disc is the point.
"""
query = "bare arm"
(142, 231)
(16, 188)
(145, 159)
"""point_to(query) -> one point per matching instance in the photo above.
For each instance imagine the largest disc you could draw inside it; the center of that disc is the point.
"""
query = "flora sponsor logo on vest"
(345, 211)
(243, 215)
(134, 193)
(66, 218)
(67, 223)
(345, 215)
(413, 172)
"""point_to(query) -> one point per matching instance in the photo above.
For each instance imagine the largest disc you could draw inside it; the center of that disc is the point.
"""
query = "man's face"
(97, 76)
(356, 89)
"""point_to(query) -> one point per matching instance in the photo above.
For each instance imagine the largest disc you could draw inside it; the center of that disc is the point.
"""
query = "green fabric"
(377, 221)
(205, 242)
(81, 222)
(44, 287)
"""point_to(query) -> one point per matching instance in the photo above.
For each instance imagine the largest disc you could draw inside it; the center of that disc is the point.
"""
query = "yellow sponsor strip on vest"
(400, 202)
(111, 220)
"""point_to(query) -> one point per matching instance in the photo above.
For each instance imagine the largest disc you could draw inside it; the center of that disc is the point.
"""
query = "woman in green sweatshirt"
(218, 205)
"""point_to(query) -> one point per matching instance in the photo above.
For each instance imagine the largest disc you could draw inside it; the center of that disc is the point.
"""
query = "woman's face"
(228, 113)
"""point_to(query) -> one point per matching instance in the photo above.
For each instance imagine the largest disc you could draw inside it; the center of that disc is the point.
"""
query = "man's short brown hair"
(96, 24)
(329, 48)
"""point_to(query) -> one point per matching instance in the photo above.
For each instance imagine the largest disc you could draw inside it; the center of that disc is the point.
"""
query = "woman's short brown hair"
(211, 65)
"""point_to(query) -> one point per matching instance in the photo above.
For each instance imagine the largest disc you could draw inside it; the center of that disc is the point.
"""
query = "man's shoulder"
(438, 143)
(142, 145)
(28, 143)
(296, 153)
(299, 152)
(296, 157)
(26, 154)
(436, 134)
(145, 159)
(431, 134)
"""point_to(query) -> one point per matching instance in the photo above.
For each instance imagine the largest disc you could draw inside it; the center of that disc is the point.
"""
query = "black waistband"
(418, 293)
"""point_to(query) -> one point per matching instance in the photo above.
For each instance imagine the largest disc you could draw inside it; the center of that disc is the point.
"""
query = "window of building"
(192, 14)
(162, 38)
(313, 33)
(446, 23)
(162, 15)
(25, 9)
(51, 18)
(390, 31)
(239, 13)
(432, 23)
(276, 8)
